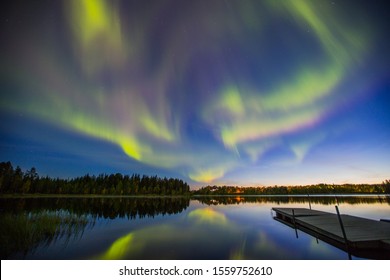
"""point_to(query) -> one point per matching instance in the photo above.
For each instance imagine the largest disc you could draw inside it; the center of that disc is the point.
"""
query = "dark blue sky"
(213, 92)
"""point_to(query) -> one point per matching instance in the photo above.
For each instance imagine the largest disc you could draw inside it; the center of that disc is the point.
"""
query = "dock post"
(343, 231)
(309, 200)
(295, 225)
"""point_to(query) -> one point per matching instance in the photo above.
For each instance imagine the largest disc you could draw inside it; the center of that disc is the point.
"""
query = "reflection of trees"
(27, 223)
(24, 232)
(106, 207)
(325, 200)
(204, 234)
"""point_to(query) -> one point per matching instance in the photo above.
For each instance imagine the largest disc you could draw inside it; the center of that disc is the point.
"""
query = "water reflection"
(207, 216)
(29, 223)
(200, 232)
(24, 232)
(100, 207)
(323, 200)
(164, 228)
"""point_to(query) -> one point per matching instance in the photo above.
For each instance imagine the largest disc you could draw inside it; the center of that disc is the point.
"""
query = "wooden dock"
(363, 237)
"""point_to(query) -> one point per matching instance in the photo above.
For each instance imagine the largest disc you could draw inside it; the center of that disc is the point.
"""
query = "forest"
(15, 181)
(317, 189)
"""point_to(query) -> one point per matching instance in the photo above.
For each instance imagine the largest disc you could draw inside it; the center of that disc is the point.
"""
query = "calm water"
(168, 228)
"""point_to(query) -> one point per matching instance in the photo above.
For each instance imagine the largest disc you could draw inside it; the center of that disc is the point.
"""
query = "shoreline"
(187, 196)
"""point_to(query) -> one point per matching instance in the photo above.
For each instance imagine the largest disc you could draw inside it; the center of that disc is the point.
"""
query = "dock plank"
(299, 212)
(355, 228)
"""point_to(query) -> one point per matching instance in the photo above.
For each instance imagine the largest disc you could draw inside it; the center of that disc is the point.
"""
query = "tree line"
(289, 199)
(383, 188)
(14, 180)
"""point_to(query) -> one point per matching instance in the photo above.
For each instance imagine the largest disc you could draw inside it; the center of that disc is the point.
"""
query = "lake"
(172, 228)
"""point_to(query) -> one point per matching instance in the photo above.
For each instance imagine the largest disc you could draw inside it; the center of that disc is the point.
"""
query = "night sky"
(209, 91)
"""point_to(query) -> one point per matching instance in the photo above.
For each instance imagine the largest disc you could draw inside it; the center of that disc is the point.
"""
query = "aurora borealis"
(213, 92)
